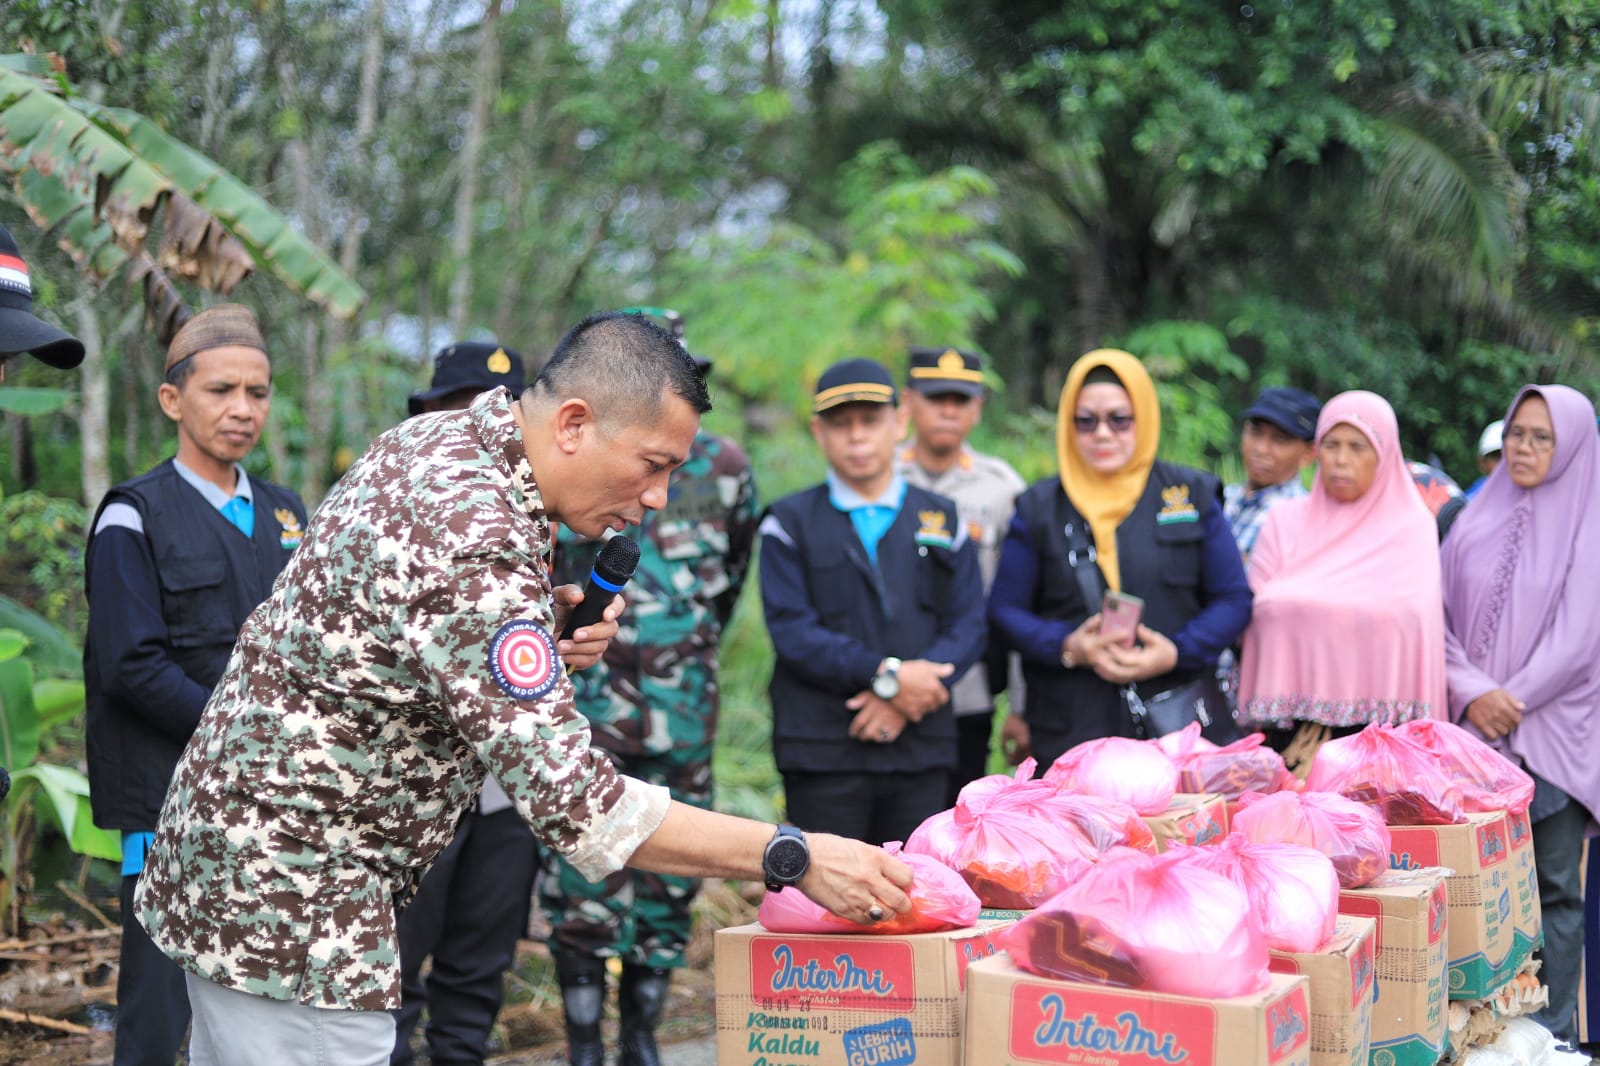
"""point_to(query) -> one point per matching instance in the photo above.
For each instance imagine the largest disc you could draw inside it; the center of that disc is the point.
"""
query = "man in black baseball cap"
(465, 369)
(1277, 443)
(20, 331)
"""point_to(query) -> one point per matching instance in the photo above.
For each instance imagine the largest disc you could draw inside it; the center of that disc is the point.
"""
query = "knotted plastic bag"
(1018, 842)
(1246, 765)
(1134, 772)
(1148, 922)
(1389, 770)
(1292, 888)
(940, 899)
(1487, 779)
(1350, 834)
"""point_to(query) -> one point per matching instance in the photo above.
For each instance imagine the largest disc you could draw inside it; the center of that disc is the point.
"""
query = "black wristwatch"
(786, 859)
(886, 682)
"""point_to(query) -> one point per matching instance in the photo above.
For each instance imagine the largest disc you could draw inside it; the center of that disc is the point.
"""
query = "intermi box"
(1481, 932)
(1341, 973)
(1191, 818)
(1409, 1023)
(1527, 920)
(1017, 1019)
(844, 1000)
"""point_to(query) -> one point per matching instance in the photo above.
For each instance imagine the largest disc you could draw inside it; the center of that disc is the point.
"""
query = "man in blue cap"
(875, 605)
(1277, 443)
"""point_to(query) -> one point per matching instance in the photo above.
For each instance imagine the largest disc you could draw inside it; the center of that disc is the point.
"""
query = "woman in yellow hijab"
(1115, 518)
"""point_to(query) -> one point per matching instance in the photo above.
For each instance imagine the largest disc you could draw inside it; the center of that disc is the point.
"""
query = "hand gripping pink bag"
(1246, 765)
(1349, 833)
(940, 899)
(1020, 844)
(1147, 922)
(1135, 772)
(1292, 888)
(1487, 779)
(1385, 768)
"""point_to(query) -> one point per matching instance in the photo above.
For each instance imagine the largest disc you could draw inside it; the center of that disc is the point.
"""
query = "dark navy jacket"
(1174, 550)
(165, 608)
(834, 617)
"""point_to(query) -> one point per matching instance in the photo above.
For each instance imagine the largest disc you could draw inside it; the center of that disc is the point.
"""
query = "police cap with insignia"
(853, 381)
(935, 371)
(20, 331)
(478, 365)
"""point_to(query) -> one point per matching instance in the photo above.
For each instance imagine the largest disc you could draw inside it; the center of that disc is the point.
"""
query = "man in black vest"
(875, 605)
(177, 560)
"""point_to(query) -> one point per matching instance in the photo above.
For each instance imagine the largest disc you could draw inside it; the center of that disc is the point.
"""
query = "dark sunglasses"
(1088, 423)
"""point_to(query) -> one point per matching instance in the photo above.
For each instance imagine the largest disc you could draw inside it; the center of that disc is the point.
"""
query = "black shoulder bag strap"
(1084, 560)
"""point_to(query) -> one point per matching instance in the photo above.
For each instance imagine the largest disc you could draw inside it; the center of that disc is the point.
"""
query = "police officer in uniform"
(652, 704)
(472, 907)
(944, 396)
(874, 601)
(177, 560)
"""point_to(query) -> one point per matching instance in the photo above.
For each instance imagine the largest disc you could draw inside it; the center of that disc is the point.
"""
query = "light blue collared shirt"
(871, 518)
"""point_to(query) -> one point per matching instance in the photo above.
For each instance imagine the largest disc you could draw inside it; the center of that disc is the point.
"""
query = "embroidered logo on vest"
(933, 531)
(290, 536)
(1176, 506)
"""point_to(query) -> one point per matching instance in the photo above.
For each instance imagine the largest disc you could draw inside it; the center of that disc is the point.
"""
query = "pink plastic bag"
(1349, 833)
(1148, 922)
(1292, 888)
(1134, 772)
(1487, 779)
(1387, 769)
(1019, 842)
(1246, 765)
(940, 899)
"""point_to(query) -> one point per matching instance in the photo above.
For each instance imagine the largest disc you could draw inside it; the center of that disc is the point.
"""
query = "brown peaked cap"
(216, 327)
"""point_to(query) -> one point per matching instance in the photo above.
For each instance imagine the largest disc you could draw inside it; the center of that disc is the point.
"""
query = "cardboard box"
(844, 1000)
(1481, 929)
(1191, 818)
(1341, 974)
(1410, 964)
(1014, 1018)
(1527, 921)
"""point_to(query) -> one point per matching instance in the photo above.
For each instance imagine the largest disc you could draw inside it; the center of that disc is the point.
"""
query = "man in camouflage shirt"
(652, 704)
(408, 646)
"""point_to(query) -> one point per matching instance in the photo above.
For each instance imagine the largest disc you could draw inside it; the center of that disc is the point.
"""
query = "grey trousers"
(1557, 846)
(233, 1028)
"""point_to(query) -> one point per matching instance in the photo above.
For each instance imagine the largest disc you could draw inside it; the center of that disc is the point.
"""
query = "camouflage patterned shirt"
(405, 647)
(656, 692)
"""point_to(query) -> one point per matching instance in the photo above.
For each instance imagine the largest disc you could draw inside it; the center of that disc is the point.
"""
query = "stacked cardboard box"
(844, 1000)
(1341, 974)
(1014, 1017)
(1410, 963)
(1191, 818)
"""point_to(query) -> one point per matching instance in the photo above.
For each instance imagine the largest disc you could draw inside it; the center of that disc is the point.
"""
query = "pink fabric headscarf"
(1348, 624)
(1522, 599)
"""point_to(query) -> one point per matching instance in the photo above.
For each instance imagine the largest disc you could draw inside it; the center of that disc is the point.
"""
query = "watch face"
(886, 686)
(787, 859)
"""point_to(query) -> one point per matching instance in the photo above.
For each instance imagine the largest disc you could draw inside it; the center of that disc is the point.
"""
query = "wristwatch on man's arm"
(786, 859)
(886, 682)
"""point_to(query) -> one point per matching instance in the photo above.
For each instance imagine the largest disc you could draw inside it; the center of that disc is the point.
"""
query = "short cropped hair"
(622, 365)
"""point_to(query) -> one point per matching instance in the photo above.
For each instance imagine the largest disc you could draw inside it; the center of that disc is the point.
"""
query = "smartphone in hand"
(1119, 617)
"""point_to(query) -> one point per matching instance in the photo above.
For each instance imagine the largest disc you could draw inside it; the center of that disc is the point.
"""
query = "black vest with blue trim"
(896, 608)
(210, 577)
(1159, 555)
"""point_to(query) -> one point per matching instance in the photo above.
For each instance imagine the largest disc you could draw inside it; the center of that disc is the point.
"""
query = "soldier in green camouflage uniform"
(652, 705)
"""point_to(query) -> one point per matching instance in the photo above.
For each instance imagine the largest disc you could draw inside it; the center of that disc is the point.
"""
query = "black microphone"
(611, 571)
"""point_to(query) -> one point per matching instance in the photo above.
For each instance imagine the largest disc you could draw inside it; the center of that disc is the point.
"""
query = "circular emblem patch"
(522, 658)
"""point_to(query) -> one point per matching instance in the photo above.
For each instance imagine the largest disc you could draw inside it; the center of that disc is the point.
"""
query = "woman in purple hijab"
(1521, 574)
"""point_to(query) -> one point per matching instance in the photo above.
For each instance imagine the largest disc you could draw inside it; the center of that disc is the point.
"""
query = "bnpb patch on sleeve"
(522, 658)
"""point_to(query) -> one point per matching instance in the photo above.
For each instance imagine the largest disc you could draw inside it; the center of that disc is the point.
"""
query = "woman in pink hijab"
(1348, 627)
(1522, 605)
